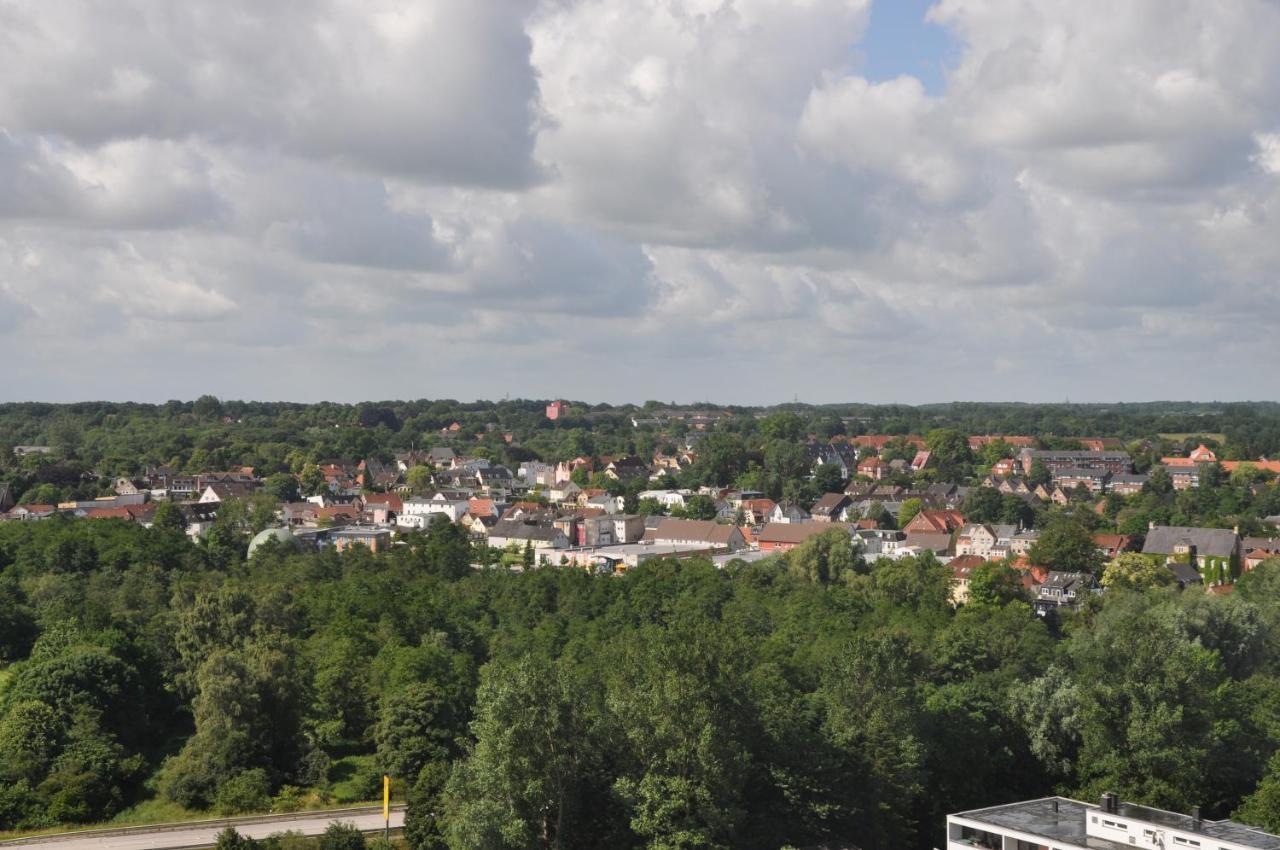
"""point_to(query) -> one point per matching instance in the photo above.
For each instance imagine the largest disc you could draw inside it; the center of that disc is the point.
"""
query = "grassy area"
(353, 779)
(1194, 435)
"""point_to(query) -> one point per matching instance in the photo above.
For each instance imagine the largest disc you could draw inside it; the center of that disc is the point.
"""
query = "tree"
(283, 487)
(827, 479)
(424, 820)
(341, 836)
(1039, 475)
(1135, 571)
(529, 778)
(246, 792)
(674, 694)
(995, 583)
(982, 504)
(949, 450)
(1262, 807)
(229, 839)
(908, 511)
(312, 480)
(207, 407)
(169, 517)
(1066, 545)
(419, 478)
(448, 548)
(416, 728)
(826, 558)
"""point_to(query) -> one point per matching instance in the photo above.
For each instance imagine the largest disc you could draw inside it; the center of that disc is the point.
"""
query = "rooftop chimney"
(1196, 822)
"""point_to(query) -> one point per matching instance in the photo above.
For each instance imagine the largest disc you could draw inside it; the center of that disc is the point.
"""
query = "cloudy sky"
(737, 200)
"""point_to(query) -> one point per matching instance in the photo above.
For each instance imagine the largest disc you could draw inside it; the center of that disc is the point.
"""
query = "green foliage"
(1134, 571)
(824, 558)
(247, 792)
(341, 836)
(995, 583)
(1066, 545)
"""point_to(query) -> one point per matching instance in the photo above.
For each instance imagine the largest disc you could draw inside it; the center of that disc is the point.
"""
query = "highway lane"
(178, 836)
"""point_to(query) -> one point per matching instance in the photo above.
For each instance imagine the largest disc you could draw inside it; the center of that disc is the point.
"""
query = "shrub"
(247, 791)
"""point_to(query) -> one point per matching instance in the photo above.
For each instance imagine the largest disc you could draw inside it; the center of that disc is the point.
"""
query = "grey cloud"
(441, 91)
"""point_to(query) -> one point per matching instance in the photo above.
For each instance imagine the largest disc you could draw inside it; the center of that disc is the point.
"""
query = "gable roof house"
(986, 540)
(626, 468)
(508, 531)
(962, 568)
(830, 507)
(1214, 552)
(1062, 590)
(692, 532)
(786, 512)
(935, 522)
(873, 468)
(785, 536)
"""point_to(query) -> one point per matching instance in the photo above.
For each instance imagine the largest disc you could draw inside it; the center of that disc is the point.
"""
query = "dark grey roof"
(1068, 581)
(1185, 573)
(1214, 542)
(523, 531)
(1080, 472)
(1078, 454)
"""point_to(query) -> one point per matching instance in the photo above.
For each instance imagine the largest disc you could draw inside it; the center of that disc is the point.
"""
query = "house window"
(1185, 842)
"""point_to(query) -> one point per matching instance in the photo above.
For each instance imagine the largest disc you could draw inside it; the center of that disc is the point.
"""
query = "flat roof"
(1067, 823)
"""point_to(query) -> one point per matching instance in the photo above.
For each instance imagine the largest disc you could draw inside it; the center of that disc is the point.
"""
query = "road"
(183, 836)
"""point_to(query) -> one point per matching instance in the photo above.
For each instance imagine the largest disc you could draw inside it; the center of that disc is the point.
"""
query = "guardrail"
(214, 823)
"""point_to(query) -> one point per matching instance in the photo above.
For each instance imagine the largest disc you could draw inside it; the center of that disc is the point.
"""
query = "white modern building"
(1058, 823)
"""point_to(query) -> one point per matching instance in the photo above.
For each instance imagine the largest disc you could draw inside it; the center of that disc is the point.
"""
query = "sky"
(742, 201)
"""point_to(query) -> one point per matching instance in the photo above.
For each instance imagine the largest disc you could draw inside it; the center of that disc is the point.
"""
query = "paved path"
(176, 836)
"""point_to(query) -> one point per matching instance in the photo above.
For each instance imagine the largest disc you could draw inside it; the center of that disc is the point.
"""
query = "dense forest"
(805, 699)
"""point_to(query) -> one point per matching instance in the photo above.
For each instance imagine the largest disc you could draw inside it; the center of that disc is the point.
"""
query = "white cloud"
(638, 198)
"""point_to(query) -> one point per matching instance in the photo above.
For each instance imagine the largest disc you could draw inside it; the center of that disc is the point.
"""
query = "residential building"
(1110, 461)
(556, 409)
(692, 532)
(1064, 824)
(1063, 590)
(417, 513)
(1214, 552)
(507, 532)
(874, 468)
(373, 539)
(1071, 477)
(1113, 545)
(935, 522)
(788, 512)
(785, 536)
(1125, 484)
(1202, 454)
(962, 567)
(830, 507)
(613, 529)
(989, 541)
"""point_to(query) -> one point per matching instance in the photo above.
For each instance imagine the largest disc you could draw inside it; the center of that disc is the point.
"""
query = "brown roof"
(936, 522)
(879, 441)
(795, 532)
(693, 529)
(964, 566)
